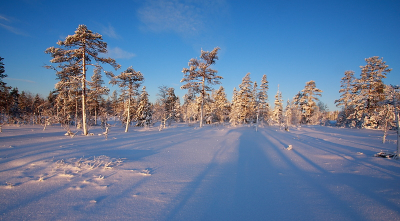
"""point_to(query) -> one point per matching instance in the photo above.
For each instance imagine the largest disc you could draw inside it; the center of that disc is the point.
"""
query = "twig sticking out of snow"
(385, 155)
(290, 147)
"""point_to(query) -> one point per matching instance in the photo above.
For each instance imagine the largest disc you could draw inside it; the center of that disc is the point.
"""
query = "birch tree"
(79, 51)
(199, 76)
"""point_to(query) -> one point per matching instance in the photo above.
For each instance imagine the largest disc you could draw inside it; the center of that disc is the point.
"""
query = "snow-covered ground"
(189, 173)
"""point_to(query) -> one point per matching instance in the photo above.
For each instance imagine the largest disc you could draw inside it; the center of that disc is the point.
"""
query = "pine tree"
(77, 52)
(234, 116)
(371, 88)
(144, 112)
(199, 76)
(221, 105)
(2, 75)
(189, 106)
(278, 108)
(245, 98)
(5, 101)
(171, 108)
(263, 99)
(308, 100)
(347, 96)
(114, 103)
(129, 81)
(96, 92)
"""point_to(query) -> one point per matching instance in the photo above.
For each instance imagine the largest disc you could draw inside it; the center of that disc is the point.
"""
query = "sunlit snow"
(190, 173)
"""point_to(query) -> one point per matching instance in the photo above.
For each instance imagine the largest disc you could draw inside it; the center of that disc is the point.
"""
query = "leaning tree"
(78, 51)
(199, 75)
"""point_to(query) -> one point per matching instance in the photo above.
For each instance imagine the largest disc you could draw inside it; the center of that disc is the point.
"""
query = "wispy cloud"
(185, 17)
(109, 31)
(117, 52)
(4, 19)
(23, 80)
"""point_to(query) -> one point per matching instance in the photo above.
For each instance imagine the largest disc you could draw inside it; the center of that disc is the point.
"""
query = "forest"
(82, 102)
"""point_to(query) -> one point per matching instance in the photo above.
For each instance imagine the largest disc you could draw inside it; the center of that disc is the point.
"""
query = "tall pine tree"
(78, 51)
(199, 76)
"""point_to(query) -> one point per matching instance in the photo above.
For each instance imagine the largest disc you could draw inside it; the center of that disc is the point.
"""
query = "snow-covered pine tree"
(347, 96)
(97, 90)
(263, 99)
(278, 108)
(78, 51)
(234, 115)
(245, 97)
(144, 112)
(308, 101)
(371, 89)
(189, 107)
(288, 114)
(129, 81)
(254, 105)
(165, 108)
(200, 76)
(170, 106)
(114, 103)
(221, 105)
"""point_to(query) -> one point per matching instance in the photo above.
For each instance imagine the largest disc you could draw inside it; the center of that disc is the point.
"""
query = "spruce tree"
(5, 101)
(245, 98)
(199, 76)
(262, 97)
(78, 51)
(221, 105)
(278, 108)
(144, 113)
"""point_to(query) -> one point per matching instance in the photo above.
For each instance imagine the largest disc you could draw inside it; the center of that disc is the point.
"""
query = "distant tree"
(278, 108)
(5, 101)
(235, 114)
(189, 107)
(199, 76)
(2, 70)
(245, 98)
(129, 81)
(371, 89)
(347, 95)
(262, 98)
(144, 112)
(308, 100)
(221, 105)
(78, 51)
(97, 90)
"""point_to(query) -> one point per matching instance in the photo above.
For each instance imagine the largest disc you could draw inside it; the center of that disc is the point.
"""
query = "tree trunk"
(76, 109)
(95, 115)
(202, 103)
(128, 116)
(85, 129)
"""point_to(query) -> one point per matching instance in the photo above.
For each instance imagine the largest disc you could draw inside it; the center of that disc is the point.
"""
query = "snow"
(190, 173)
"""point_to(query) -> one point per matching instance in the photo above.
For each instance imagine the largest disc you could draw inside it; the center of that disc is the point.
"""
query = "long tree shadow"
(262, 183)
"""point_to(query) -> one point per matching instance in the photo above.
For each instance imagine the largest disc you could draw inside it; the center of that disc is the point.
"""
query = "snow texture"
(191, 173)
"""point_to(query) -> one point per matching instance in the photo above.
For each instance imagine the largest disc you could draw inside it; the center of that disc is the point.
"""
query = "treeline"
(82, 103)
(366, 101)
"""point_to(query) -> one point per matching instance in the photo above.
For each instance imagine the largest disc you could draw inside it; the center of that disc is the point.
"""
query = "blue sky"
(292, 42)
